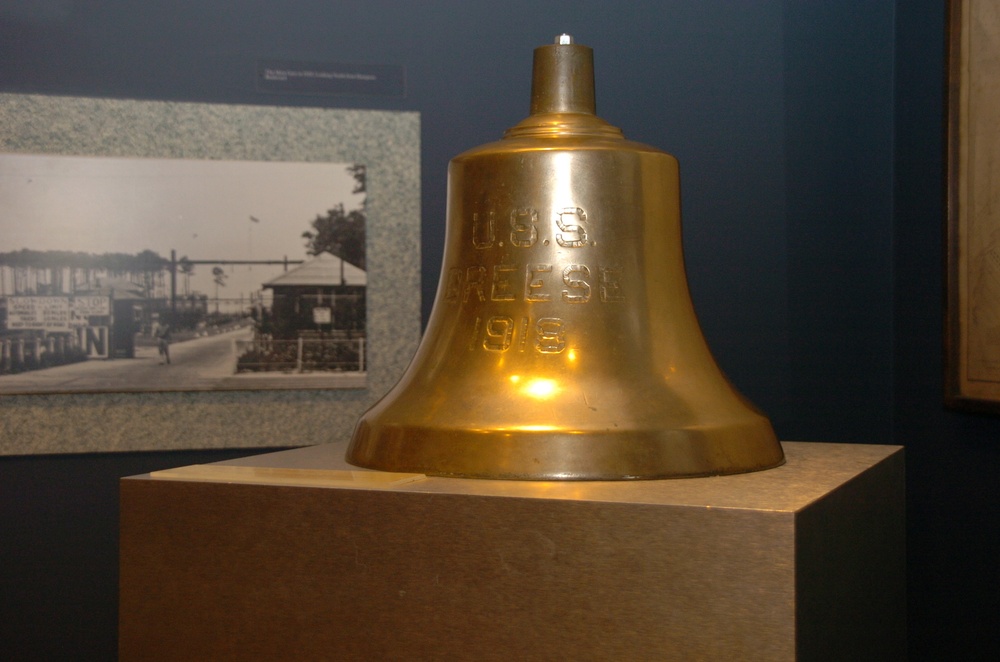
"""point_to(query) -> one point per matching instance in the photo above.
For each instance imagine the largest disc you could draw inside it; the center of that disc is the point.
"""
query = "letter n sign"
(94, 341)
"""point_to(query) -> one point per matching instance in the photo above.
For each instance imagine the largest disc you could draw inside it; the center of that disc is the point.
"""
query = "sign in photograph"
(38, 313)
(54, 313)
(82, 307)
(94, 341)
(322, 316)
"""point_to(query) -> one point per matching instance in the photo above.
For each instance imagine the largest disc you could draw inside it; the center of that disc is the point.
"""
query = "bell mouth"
(620, 455)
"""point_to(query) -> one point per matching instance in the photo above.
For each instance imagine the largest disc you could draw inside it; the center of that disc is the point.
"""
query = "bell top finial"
(562, 78)
(562, 94)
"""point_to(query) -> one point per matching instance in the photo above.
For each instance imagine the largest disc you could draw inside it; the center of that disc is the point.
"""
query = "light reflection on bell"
(563, 344)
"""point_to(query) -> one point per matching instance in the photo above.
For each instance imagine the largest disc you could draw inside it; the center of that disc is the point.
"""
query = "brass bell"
(563, 344)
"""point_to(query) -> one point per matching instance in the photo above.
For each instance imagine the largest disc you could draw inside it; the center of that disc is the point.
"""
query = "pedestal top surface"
(812, 470)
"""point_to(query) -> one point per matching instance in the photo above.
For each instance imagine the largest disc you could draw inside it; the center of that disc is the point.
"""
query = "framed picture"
(179, 275)
(972, 325)
(146, 274)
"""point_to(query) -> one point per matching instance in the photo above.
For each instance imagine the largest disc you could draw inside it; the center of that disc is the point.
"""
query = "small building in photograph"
(325, 294)
(127, 302)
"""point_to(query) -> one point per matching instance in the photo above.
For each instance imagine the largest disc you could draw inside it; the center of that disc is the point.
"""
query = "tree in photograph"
(339, 232)
(219, 277)
(359, 172)
(144, 269)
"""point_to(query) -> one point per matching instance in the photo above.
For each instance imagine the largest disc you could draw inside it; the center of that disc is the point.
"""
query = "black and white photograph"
(148, 274)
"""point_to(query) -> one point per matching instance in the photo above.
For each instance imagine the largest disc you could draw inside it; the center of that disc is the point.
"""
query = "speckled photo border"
(386, 142)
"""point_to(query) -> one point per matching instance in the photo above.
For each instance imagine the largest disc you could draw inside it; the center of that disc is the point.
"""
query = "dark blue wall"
(809, 136)
(838, 143)
(952, 458)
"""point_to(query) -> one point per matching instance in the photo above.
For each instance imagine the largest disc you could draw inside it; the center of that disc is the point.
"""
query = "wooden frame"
(972, 241)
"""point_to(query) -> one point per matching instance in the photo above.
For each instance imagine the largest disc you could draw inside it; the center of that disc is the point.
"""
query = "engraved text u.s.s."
(512, 279)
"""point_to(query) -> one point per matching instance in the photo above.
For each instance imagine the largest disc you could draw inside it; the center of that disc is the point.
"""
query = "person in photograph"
(161, 331)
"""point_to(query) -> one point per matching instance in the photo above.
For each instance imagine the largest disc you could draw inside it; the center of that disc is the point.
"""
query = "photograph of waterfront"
(138, 274)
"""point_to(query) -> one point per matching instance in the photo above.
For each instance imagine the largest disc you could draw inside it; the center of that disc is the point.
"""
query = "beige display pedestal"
(292, 556)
